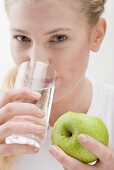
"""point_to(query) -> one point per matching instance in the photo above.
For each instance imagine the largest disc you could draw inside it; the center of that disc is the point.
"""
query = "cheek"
(72, 62)
(14, 53)
(17, 54)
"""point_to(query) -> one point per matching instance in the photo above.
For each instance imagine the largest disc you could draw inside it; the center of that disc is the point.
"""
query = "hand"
(19, 118)
(105, 155)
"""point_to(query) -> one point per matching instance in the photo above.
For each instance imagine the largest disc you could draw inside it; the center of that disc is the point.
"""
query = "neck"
(77, 101)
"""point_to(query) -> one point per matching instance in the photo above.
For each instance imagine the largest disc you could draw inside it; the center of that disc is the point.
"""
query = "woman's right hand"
(19, 118)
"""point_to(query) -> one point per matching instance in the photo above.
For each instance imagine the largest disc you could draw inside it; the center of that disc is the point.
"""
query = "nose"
(39, 54)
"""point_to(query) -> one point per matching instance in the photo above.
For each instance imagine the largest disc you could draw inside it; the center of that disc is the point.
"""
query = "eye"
(58, 38)
(22, 38)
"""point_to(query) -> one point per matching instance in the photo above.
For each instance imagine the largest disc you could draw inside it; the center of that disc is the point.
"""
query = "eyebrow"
(57, 30)
(19, 30)
(47, 33)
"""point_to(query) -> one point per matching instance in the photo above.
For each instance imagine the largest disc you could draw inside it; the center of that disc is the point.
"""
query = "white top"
(102, 105)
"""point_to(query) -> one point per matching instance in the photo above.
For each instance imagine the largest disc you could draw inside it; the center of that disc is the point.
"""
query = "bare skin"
(17, 117)
(49, 30)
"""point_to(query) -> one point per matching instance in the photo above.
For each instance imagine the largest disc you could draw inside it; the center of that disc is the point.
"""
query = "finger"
(67, 161)
(31, 119)
(65, 168)
(20, 128)
(18, 94)
(15, 109)
(97, 148)
(15, 149)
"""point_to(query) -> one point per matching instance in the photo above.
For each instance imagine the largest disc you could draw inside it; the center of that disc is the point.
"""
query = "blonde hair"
(10, 79)
(6, 162)
(92, 10)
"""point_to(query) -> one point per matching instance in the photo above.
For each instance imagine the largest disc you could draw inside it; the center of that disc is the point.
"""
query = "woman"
(64, 32)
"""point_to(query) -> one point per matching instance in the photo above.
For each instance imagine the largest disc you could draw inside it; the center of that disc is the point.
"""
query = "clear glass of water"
(40, 77)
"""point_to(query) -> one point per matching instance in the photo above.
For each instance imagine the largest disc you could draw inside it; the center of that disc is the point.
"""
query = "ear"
(97, 34)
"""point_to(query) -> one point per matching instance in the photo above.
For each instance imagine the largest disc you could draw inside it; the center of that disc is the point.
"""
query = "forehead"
(29, 2)
(44, 13)
(43, 5)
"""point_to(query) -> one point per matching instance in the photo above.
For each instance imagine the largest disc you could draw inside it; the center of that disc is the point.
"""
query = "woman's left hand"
(105, 155)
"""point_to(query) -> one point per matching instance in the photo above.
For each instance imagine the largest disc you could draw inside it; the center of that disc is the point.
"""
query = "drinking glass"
(40, 77)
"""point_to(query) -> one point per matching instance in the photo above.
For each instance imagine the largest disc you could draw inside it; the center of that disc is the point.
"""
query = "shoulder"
(102, 103)
(103, 89)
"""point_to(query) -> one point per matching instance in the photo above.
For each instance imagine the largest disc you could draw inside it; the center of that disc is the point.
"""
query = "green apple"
(67, 128)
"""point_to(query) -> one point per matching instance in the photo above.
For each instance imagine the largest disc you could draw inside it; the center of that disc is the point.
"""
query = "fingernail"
(36, 149)
(36, 94)
(82, 139)
(53, 149)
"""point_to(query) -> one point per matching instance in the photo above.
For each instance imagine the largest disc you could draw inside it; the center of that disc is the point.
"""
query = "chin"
(56, 97)
(60, 94)
(62, 89)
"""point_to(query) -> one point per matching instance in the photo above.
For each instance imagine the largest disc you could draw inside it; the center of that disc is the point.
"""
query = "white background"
(101, 64)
